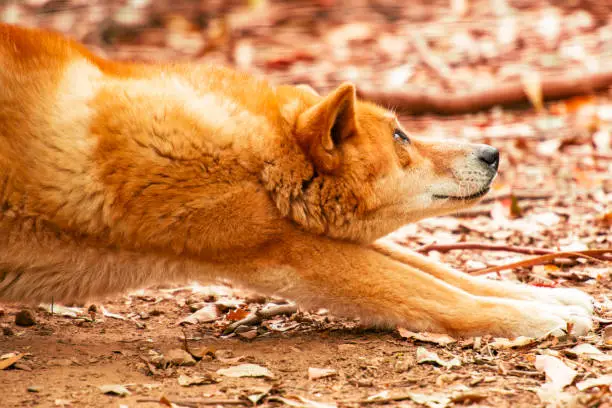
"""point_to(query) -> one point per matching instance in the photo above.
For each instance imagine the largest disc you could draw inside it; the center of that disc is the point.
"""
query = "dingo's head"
(369, 177)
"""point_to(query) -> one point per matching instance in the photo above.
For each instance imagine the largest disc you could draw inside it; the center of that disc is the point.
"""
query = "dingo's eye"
(400, 136)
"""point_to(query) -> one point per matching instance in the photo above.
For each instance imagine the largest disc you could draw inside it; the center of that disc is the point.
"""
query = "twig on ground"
(436, 64)
(260, 315)
(521, 373)
(198, 403)
(383, 400)
(508, 94)
(486, 247)
(597, 255)
(460, 397)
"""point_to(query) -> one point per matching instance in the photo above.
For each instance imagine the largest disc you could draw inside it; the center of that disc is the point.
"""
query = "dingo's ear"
(322, 128)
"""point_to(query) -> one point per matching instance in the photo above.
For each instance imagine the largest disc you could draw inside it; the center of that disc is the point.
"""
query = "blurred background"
(321, 42)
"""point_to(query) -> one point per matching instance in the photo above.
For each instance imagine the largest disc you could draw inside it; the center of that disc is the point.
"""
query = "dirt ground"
(553, 192)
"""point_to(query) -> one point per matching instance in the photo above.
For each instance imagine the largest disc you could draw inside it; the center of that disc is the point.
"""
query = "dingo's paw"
(539, 319)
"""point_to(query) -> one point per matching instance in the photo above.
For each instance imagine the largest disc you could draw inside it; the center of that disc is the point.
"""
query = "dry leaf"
(200, 352)
(468, 396)
(8, 360)
(515, 209)
(607, 335)
(106, 313)
(259, 393)
(186, 381)
(424, 356)
(381, 395)
(60, 310)
(572, 105)
(432, 400)
(503, 343)
(229, 303)
(595, 382)
(178, 357)
(303, 402)
(114, 389)
(607, 218)
(558, 375)
(316, 373)
(441, 339)
(245, 370)
(237, 314)
(207, 314)
(590, 351)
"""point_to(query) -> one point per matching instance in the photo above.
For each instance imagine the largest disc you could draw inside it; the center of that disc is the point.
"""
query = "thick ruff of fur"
(114, 176)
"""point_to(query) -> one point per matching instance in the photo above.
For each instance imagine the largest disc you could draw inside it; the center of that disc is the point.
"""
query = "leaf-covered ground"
(553, 193)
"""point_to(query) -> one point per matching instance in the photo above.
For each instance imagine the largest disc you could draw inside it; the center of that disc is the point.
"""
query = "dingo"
(115, 176)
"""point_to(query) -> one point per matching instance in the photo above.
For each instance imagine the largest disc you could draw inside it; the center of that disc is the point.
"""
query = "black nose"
(488, 155)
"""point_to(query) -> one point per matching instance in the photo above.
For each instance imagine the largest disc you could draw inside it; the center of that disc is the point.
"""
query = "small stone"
(179, 357)
(2, 312)
(24, 318)
(34, 388)
(7, 331)
(143, 315)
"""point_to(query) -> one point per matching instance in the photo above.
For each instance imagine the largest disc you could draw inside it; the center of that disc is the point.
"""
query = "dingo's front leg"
(354, 280)
(482, 286)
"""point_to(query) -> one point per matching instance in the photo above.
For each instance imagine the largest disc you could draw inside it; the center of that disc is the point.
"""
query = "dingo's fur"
(116, 175)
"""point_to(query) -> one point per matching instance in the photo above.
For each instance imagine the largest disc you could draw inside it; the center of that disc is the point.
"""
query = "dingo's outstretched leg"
(482, 286)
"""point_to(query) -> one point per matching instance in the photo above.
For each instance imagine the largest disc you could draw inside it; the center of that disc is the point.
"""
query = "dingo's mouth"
(469, 197)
